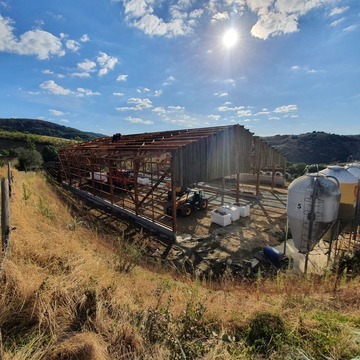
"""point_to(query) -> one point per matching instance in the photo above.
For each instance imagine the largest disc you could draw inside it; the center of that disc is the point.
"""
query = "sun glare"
(230, 38)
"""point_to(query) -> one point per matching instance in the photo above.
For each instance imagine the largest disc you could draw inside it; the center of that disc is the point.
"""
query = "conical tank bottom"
(300, 233)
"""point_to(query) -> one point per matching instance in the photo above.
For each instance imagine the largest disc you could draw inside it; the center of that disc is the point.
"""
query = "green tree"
(29, 159)
(49, 153)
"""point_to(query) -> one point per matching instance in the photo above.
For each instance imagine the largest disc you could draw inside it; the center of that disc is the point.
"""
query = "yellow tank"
(348, 185)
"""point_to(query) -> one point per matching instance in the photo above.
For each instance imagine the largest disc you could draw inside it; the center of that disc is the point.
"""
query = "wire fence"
(6, 189)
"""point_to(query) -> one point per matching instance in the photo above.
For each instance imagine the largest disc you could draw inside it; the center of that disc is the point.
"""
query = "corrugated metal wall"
(225, 153)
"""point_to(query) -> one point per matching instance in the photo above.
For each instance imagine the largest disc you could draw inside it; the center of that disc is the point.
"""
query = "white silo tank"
(312, 207)
(348, 184)
(354, 169)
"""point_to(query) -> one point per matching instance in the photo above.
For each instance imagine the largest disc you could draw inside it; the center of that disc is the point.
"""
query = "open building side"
(159, 162)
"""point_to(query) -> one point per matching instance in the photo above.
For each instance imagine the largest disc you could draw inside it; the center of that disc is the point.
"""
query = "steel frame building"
(160, 162)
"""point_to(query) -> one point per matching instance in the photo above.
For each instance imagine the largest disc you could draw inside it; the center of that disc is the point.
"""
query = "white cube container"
(234, 211)
(220, 218)
(245, 211)
(143, 181)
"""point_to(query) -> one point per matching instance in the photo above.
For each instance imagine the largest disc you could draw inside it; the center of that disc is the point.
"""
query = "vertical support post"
(5, 213)
(312, 219)
(136, 185)
(257, 181)
(237, 187)
(272, 177)
(173, 198)
(357, 215)
(222, 188)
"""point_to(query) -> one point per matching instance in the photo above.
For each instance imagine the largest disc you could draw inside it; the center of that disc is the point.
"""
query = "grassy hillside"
(73, 287)
(45, 128)
(317, 147)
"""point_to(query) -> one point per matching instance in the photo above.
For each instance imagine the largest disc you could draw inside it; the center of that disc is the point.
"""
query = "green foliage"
(349, 264)
(26, 192)
(45, 210)
(49, 153)
(266, 332)
(28, 159)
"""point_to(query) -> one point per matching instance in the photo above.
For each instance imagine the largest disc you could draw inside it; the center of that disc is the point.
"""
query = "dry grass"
(70, 291)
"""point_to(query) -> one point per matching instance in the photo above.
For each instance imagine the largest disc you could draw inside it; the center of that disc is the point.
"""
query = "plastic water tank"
(348, 184)
(312, 207)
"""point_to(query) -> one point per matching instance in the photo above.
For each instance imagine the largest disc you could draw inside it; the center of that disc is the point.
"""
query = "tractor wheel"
(203, 204)
(186, 210)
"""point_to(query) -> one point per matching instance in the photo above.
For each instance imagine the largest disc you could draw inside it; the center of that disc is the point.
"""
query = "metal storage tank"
(354, 169)
(348, 184)
(312, 207)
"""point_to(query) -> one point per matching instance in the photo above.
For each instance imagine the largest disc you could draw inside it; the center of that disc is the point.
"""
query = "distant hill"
(40, 127)
(317, 147)
(310, 148)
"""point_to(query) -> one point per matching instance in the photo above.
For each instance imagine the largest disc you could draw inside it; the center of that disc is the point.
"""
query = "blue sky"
(133, 66)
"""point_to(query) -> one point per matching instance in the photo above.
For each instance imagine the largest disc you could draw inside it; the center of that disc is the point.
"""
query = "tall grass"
(72, 290)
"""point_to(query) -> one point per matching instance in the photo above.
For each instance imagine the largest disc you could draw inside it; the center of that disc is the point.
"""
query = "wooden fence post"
(5, 213)
(9, 178)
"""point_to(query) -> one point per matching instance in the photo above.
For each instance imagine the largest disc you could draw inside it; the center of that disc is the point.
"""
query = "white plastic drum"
(312, 207)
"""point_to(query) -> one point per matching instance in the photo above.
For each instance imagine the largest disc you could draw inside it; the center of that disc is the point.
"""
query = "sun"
(230, 38)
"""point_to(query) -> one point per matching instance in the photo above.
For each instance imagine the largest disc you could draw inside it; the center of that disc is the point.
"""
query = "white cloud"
(54, 88)
(56, 112)
(72, 45)
(339, 10)
(244, 113)
(81, 74)
(106, 63)
(136, 120)
(47, 72)
(178, 19)
(350, 28)
(175, 108)
(281, 16)
(214, 117)
(118, 94)
(220, 16)
(337, 22)
(285, 108)
(226, 108)
(65, 121)
(86, 92)
(37, 42)
(221, 94)
(87, 65)
(274, 24)
(126, 108)
(159, 110)
(140, 104)
(122, 77)
(295, 68)
(157, 93)
(85, 38)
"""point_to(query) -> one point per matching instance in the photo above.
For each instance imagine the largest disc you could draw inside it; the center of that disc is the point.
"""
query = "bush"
(266, 332)
(28, 159)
